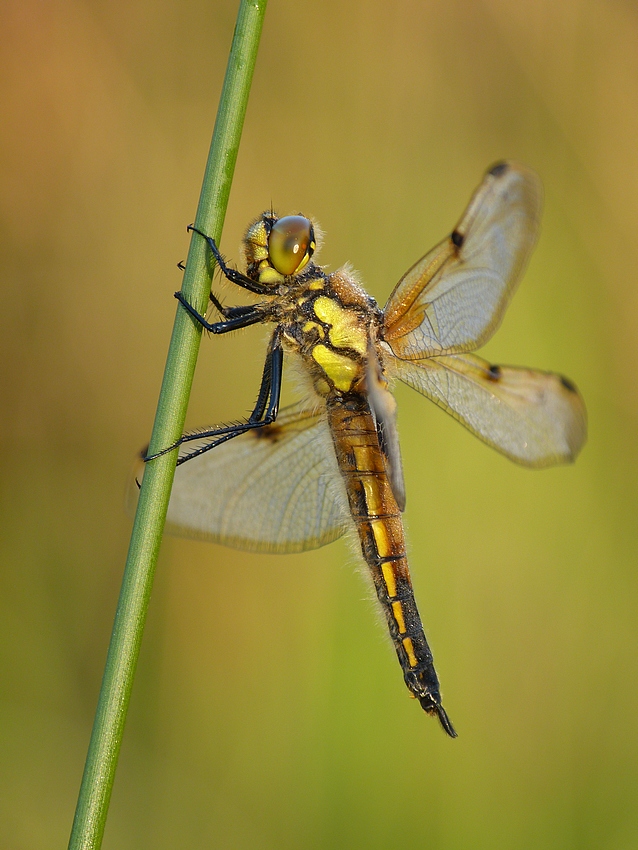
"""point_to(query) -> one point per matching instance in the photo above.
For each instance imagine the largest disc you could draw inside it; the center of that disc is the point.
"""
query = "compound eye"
(291, 244)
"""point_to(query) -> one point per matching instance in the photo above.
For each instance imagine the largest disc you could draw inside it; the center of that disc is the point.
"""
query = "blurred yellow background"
(268, 710)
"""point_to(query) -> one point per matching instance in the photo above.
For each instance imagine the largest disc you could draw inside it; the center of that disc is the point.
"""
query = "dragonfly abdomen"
(377, 519)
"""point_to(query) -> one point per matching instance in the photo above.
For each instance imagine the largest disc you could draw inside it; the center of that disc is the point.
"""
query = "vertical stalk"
(130, 616)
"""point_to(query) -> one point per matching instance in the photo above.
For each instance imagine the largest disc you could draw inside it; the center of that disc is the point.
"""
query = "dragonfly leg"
(234, 317)
(233, 275)
(264, 412)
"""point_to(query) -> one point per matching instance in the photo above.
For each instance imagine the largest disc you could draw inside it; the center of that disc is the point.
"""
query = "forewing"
(454, 298)
(272, 489)
(535, 418)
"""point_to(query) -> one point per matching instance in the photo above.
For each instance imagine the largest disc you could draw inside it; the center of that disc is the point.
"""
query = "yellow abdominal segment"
(389, 579)
(374, 502)
(384, 547)
(397, 610)
(409, 649)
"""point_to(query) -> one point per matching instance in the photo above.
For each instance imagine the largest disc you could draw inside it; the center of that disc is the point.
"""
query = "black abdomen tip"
(435, 708)
(445, 721)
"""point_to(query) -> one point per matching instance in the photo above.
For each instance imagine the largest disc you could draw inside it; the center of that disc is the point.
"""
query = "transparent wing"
(454, 298)
(273, 489)
(535, 418)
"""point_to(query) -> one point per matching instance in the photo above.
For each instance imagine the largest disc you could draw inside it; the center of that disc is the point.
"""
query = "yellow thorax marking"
(322, 386)
(340, 369)
(309, 326)
(346, 330)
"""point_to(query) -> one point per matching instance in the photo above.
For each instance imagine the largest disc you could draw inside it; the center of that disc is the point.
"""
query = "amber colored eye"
(291, 244)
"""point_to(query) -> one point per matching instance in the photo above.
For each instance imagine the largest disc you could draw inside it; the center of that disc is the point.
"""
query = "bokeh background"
(293, 729)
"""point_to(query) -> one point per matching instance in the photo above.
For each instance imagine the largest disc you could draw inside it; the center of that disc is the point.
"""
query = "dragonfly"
(296, 479)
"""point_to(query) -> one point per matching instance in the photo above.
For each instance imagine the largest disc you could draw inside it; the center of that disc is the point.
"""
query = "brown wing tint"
(454, 298)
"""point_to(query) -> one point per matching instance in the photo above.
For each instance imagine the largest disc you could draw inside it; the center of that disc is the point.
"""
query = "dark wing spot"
(498, 169)
(494, 373)
(567, 384)
(457, 238)
(271, 433)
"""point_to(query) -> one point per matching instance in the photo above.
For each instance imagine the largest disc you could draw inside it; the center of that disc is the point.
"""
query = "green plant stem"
(108, 727)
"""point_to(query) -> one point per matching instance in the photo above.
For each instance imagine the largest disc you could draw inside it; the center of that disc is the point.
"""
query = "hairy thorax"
(330, 322)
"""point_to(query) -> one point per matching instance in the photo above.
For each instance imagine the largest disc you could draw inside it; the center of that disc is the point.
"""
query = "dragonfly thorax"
(331, 323)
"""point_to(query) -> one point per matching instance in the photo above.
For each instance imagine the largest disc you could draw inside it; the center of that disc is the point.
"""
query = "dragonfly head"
(277, 248)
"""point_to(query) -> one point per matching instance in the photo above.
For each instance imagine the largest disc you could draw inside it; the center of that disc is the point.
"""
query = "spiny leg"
(234, 317)
(264, 412)
(233, 275)
(233, 314)
(226, 312)
(267, 404)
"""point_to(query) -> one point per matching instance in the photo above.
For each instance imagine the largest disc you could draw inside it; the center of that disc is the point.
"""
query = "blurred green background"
(294, 730)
